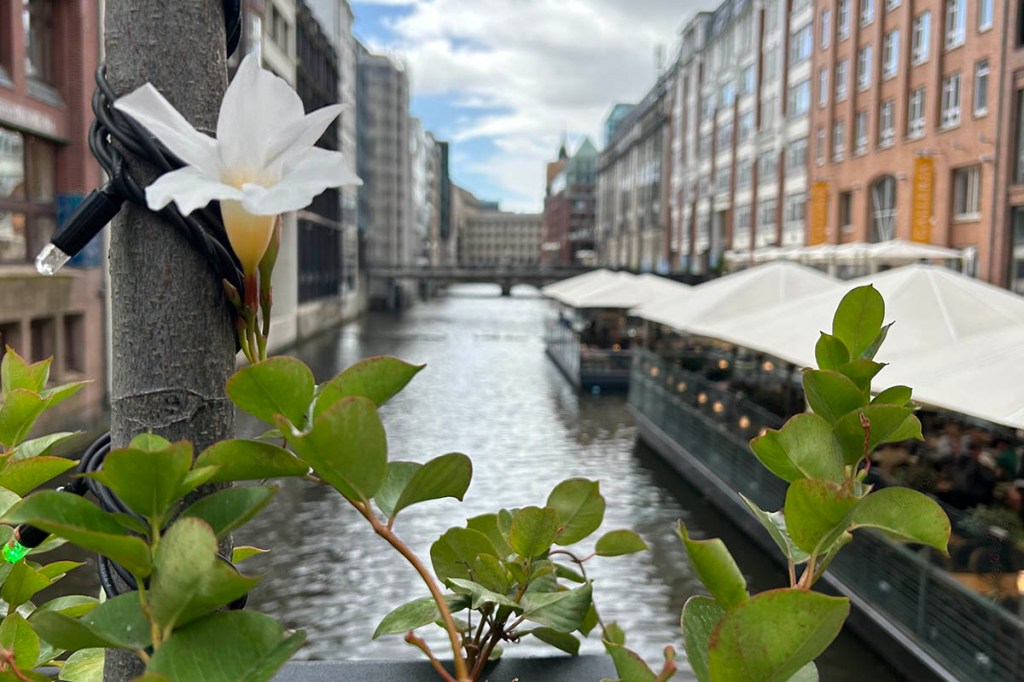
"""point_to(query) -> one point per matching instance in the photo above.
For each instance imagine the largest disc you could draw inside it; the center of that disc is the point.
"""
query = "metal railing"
(968, 634)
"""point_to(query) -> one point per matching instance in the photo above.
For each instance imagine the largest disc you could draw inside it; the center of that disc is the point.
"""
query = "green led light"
(14, 551)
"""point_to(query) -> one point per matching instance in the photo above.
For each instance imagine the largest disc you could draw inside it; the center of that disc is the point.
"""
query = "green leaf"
(221, 585)
(117, 623)
(533, 530)
(73, 605)
(15, 373)
(628, 664)
(806, 447)
(884, 421)
(226, 647)
(590, 621)
(249, 460)
(562, 611)
(416, 614)
(489, 571)
(147, 480)
(906, 515)
(716, 569)
(894, 395)
(564, 572)
(378, 379)
(18, 413)
(614, 633)
(858, 319)
(775, 524)
(560, 640)
(445, 476)
(16, 635)
(773, 635)
(226, 510)
(242, 552)
(870, 352)
(42, 445)
(619, 542)
(830, 352)
(479, 595)
(808, 673)
(700, 616)
(398, 476)
(278, 386)
(861, 372)
(194, 479)
(25, 475)
(150, 442)
(58, 569)
(454, 553)
(488, 525)
(580, 509)
(58, 394)
(816, 513)
(347, 448)
(84, 524)
(7, 500)
(183, 559)
(83, 666)
(831, 394)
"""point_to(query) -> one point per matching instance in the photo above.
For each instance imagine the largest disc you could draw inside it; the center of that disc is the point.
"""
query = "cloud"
(524, 71)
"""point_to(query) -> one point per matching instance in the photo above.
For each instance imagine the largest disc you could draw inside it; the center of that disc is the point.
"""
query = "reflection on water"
(489, 391)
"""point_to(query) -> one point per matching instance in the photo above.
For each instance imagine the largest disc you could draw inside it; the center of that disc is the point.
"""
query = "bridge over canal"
(504, 276)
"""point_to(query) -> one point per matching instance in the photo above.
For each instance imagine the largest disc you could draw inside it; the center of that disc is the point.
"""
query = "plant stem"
(420, 644)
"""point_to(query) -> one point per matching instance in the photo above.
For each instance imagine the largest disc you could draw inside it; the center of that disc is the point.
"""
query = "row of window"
(956, 22)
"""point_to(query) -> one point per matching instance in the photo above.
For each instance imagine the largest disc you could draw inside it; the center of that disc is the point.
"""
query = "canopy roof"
(592, 278)
(623, 291)
(742, 292)
(891, 252)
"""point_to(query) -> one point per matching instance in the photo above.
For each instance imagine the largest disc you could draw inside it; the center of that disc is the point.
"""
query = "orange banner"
(923, 207)
(817, 232)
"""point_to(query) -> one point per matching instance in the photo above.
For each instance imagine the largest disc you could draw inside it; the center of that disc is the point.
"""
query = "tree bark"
(173, 341)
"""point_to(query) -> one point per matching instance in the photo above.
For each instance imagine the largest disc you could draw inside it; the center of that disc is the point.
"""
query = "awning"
(623, 291)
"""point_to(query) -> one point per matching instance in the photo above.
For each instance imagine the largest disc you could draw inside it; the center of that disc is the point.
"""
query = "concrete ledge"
(554, 669)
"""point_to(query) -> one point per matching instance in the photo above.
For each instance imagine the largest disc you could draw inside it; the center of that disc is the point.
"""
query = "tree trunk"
(173, 341)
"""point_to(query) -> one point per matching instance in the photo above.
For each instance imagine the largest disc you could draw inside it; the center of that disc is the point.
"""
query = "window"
(769, 66)
(860, 132)
(967, 192)
(767, 166)
(883, 209)
(800, 98)
(864, 67)
(727, 94)
(704, 147)
(823, 86)
(766, 216)
(1018, 170)
(793, 210)
(27, 195)
(800, 46)
(819, 146)
(724, 142)
(838, 141)
(845, 210)
(37, 17)
(984, 15)
(796, 157)
(891, 4)
(842, 67)
(826, 28)
(769, 112)
(920, 38)
(981, 72)
(748, 80)
(890, 54)
(741, 228)
(915, 113)
(746, 126)
(843, 20)
(867, 12)
(950, 113)
(722, 180)
(956, 21)
(744, 170)
(886, 123)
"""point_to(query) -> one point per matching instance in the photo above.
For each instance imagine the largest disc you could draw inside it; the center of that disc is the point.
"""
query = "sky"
(502, 80)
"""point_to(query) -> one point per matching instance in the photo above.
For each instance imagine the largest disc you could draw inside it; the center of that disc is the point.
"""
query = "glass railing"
(946, 614)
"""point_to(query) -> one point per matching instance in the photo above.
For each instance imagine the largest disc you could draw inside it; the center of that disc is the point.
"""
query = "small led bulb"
(51, 259)
(14, 551)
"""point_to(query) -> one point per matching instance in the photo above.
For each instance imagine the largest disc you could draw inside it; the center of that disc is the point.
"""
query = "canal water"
(489, 391)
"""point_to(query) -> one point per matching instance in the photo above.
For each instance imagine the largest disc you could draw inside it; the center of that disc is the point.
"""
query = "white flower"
(262, 163)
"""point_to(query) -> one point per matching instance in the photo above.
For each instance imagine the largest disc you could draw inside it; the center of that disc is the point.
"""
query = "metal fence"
(970, 635)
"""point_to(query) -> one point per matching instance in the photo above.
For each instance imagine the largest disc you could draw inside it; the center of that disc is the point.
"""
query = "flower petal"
(188, 187)
(317, 170)
(256, 105)
(147, 106)
(292, 141)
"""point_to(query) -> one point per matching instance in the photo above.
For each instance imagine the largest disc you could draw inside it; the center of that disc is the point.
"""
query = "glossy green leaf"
(58, 569)
(16, 635)
(58, 394)
(872, 349)
(562, 611)
(490, 572)
(773, 635)
(775, 524)
(416, 614)
(445, 476)
(454, 553)
(147, 480)
(716, 569)
(84, 524)
(83, 666)
(831, 394)
(894, 395)
(906, 515)
(580, 509)
(18, 413)
(226, 510)
(805, 447)
(25, 475)
(150, 442)
(542, 577)
(614, 633)
(808, 673)
(194, 479)
(533, 530)
(249, 460)
(770, 451)
(884, 423)
(377, 379)
(560, 640)
(858, 319)
(183, 559)
(7, 500)
(242, 552)
(221, 585)
(629, 666)
(16, 373)
(479, 595)
(226, 647)
(861, 372)
(700, 617)
(277, 386)
(347, 448)
(488, 525)
(566, 573)
(816, 513)
(73, 605)
(399, 474)
(42, 445)
(117, 623)
(830, 352)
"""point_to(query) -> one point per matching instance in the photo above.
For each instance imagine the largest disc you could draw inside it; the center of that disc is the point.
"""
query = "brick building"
(48, 56)
(569, 207)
